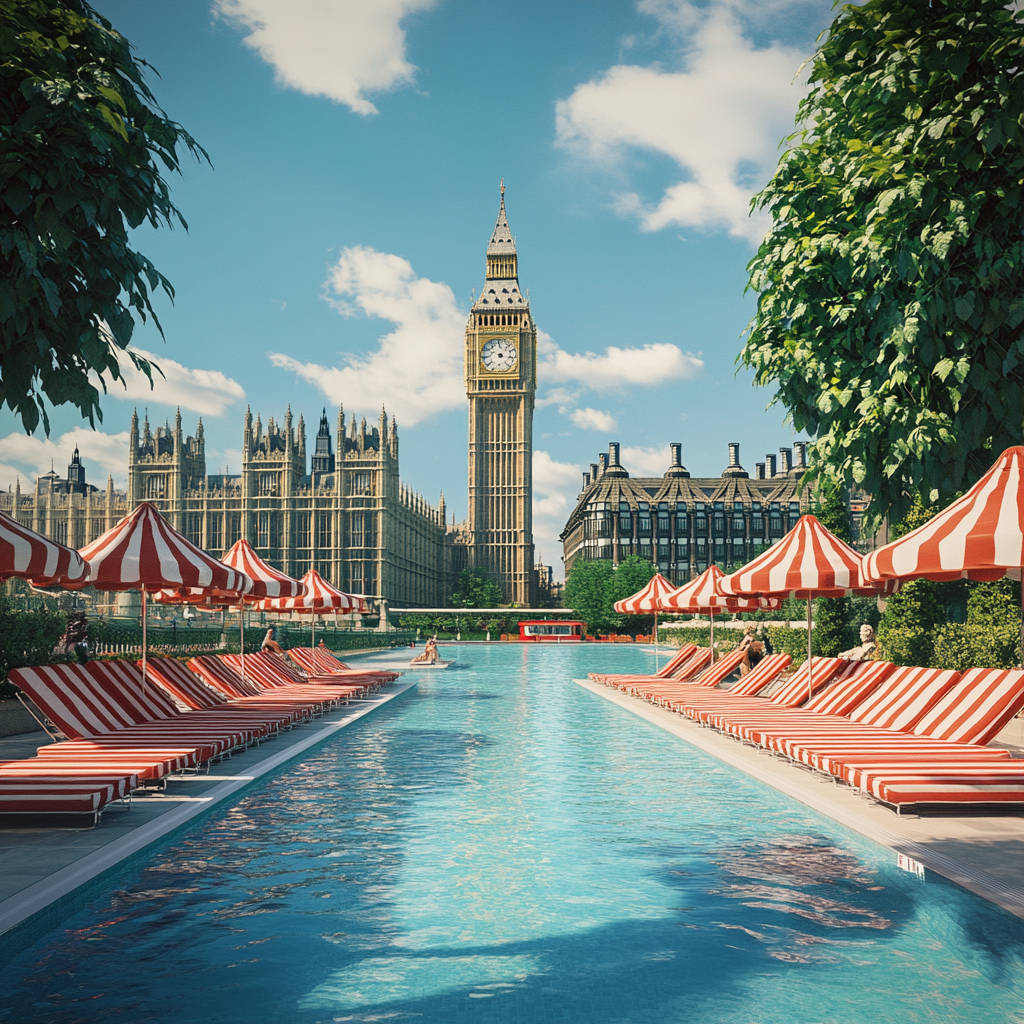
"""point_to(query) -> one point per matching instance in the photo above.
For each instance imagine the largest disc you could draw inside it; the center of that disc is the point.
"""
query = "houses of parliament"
(341, 506)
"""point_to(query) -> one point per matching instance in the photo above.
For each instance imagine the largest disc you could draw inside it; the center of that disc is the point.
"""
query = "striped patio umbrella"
(29, 555)
(144, 552)
(318, 597)
(703, 595)
(980, 536)
(808, 562)
(649, 599)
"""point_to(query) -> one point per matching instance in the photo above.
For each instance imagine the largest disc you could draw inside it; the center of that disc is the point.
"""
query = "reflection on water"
(502, 845)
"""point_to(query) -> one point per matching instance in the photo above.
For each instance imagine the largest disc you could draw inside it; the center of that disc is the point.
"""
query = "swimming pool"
(501, 845)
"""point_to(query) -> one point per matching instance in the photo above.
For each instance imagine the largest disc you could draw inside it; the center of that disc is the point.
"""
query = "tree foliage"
(82, 149)
(891, 285)
(475, 589)
(594, 585)
(831, 614)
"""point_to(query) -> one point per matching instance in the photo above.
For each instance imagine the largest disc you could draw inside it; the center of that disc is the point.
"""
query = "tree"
(82, 146)
(475, 589)
(891, 284)
(586, 592)
(831, 614)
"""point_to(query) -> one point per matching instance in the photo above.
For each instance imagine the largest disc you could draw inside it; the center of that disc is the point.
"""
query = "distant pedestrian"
(270, 645)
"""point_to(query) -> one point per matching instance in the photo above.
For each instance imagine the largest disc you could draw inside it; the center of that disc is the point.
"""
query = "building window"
(737, 525)
(302, 530)
(266, 530)
(234, 524)
(362, 482)
(356, 573)
(323, 531)
(664, 523)
(194, 528)
(268, 485)
(682, 522)
(216, 533)
(155, 484)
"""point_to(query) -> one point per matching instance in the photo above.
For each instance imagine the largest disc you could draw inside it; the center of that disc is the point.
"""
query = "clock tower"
(501, 382)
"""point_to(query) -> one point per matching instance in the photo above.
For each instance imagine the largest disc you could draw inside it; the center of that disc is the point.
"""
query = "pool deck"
(984, 854)
(44, 865)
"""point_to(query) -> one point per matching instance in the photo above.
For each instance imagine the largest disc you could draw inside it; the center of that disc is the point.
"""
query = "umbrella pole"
(241, 634)
(656, 642)
(808, 648)
(711, 616)
(143, 639)
(312, 631)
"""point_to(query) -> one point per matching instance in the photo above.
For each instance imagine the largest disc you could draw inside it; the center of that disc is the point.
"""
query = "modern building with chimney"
(680, 523)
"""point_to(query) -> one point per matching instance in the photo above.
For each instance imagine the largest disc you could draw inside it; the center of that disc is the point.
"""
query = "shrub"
(962, 646)
(905, 645)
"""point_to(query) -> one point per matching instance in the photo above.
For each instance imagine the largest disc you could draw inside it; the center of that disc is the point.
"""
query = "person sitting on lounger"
(429, 655)
(270, 645)
(866, 650)
(753, 646)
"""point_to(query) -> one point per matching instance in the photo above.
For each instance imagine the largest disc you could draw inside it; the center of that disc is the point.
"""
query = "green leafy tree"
(632, 574)
(891, 284)
(832, 614)
(586, 592)
(475, 589)
(82, 147)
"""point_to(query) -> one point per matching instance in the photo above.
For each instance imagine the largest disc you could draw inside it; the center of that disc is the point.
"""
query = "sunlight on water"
(500, 845)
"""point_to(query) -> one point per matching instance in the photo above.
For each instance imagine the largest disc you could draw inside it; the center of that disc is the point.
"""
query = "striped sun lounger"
(665, 672)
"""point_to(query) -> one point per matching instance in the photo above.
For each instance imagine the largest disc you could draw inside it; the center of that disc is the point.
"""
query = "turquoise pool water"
(500, 845)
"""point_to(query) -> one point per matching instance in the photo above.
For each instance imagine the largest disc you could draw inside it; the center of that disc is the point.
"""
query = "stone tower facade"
(501, 384)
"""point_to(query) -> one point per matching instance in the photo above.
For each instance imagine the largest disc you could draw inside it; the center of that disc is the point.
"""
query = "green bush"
(962, 646)
(27, 638)
(784, 641)
(905, 645)
(792, 642)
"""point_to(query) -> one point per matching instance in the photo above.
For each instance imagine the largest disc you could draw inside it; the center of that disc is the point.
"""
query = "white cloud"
(207, 392)
(650, 364)
(720, 118)
(555, 486)
(27, 458)
(341, 49)
(416, 370)
(640, 461)
(593, 419)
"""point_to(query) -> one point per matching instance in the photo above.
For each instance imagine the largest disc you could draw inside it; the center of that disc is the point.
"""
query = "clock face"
(499, 355)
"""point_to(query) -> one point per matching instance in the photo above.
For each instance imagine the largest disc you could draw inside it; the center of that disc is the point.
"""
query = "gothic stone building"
(680, 523)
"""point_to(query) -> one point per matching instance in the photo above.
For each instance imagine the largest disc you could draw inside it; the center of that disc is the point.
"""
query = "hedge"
(962, 646)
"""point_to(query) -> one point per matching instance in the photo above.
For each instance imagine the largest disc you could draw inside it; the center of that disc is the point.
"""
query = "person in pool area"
(866, 650)
(753, 646)
(270, 645)
(429, 655)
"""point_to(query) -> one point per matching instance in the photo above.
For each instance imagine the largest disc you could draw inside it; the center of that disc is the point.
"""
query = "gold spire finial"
(503, 190)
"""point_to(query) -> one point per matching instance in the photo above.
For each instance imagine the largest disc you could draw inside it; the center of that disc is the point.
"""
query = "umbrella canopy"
(808, 562)
(266, 580)
(980, 536)
(650, 599)
(29, 555)
(704, 596)
(318, 597)
(144, 552)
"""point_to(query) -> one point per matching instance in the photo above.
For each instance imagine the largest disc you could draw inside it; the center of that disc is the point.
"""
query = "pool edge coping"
(18, 910)
(975, 880)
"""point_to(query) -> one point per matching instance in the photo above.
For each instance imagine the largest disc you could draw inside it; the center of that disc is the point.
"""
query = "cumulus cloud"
(26, 458)
(341, 49)
(720, 117)
(593, 419)
(640, 461)
(651, 364)
(207, 392)
(555, 486)
(416, 370)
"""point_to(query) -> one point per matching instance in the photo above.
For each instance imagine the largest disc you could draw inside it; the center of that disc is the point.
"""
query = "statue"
(866, 649)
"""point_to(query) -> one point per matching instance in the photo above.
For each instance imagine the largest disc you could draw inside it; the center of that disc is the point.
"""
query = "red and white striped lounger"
(663, 692)
(314, 664)
(687, 672)
(185, 686)
(220, 675)
(665, 672)
(765, 674)
(273, 675)
(325, 663)
(988, 785)
(36, 794)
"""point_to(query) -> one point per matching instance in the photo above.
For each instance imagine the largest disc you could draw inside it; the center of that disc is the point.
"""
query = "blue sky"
(357, 149)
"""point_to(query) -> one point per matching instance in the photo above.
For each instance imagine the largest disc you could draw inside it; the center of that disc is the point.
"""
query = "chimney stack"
(734, 455)
(785, 460)
(800, 447)
(677, 455)
(603, 463)
(758, 470)
(593, 472)
(613, 453)
(769, 464)
(586, 480)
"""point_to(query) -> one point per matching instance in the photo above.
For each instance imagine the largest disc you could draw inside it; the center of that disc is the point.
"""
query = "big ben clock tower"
(501, 382)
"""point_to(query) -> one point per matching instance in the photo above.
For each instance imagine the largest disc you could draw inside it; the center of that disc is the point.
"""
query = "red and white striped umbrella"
(266, 580)
(144, 552)
(29, 555)
(978, 537)
(808, 562)
(650, 599)
(704, 596)
(318, 597)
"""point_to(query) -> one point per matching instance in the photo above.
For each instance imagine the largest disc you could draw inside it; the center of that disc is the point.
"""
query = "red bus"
(545, 630)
